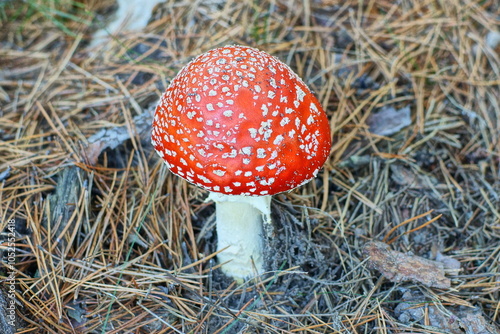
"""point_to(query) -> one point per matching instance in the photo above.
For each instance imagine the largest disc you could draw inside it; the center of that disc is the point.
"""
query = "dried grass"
(132, 250)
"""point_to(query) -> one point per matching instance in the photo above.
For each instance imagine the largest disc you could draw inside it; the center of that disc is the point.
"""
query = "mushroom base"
(240, 233)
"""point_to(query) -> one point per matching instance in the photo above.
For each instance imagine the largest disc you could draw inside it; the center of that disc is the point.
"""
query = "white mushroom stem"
(240, 233)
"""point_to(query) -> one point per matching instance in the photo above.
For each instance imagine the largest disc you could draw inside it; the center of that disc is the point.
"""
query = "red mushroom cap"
(238, 121)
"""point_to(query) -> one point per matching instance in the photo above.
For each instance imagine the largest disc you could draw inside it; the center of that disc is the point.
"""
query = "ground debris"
(407, 177)
(113, 137)
(453, 320)
(400, 267)
(388, 120)
(450, 264)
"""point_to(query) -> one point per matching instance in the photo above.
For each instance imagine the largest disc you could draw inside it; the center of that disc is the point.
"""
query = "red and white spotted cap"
(238, 121)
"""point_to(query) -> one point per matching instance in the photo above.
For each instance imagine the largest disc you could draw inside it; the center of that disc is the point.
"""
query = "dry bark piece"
(400, 267)
(63, 202)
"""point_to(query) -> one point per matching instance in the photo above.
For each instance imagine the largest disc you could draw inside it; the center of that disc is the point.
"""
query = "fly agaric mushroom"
(241, 124)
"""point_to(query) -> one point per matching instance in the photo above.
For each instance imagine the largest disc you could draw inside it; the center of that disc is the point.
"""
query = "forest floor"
(399, 233)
